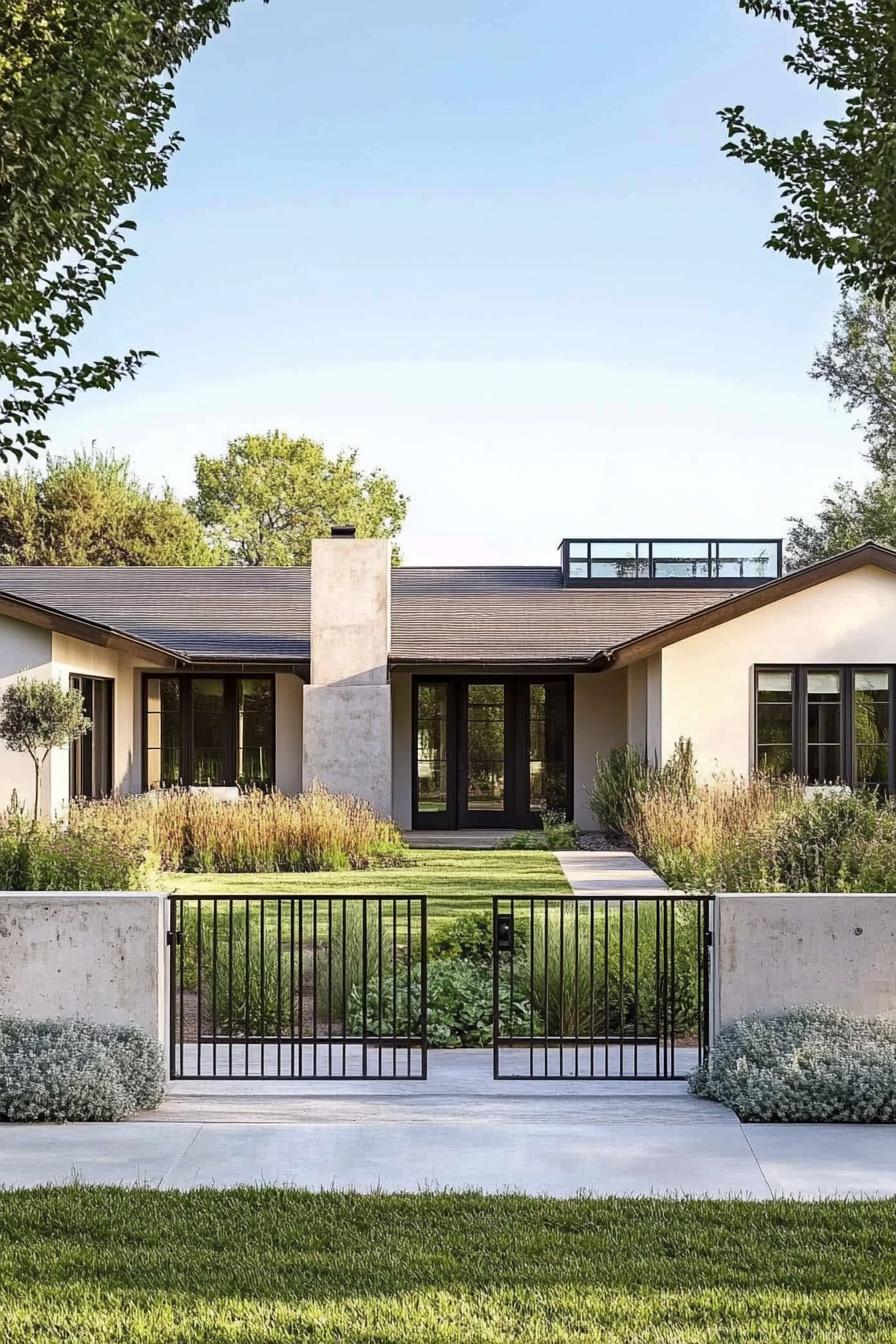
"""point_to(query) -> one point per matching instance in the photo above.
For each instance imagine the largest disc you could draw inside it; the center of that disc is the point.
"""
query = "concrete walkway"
(610, 873)
(458, 1130)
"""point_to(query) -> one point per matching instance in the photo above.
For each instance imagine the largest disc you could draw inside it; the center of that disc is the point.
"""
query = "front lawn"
(95, 1265)
(455, 880)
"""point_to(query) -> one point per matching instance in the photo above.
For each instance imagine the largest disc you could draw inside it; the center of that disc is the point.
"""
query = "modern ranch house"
(460, 697)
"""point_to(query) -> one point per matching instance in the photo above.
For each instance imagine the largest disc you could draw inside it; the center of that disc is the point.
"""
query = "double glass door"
(490, 752)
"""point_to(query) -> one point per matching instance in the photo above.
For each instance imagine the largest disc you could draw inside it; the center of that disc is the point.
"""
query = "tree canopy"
(85, 99)
(837, 187)
(859, 366)
(270, 495)
(92, 510)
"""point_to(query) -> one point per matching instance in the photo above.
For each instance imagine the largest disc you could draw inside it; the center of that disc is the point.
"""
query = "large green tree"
(859, 366)
(837, 186)
(85, 99)
(92, 510)
(270, 495)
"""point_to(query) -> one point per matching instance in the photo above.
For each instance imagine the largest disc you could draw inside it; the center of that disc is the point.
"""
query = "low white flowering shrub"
(813, 1063)
(76, 1070)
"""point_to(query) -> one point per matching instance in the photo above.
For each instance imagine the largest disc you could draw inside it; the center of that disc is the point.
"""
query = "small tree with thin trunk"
(36, 716)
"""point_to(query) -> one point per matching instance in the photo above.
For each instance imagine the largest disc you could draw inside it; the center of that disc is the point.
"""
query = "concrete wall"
(599, 724)
(771, 952)
(97, 955)
(347, 708)
(707, 680)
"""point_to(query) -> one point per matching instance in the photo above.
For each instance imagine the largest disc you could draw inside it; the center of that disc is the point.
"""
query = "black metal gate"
(269, 987)
(597, 988)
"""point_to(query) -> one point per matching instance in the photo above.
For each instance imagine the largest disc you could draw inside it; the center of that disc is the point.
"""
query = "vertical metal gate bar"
(262, 996)
(363, 986)
(230, 1017)
(657, 981)
(561, 1025)
(344, 983)
(424, 1009)
(636, 916)
(314, 1022)
(546, 999)
(180, 939)
(512, 956)
(292, 986)
(172, 981)
(395, 988)
(621, 988)
(576, 982)
(496, 1007)
(329, 986)
(606, 988)
(672, 986)
(591, 987)
(379, 984)
(301, 986)
(215, 987)
(279, 984)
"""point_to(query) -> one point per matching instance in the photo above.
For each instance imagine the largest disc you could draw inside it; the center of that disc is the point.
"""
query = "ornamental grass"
(317, 831)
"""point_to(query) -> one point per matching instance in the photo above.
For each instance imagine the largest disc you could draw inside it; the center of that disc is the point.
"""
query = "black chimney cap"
(348, 531)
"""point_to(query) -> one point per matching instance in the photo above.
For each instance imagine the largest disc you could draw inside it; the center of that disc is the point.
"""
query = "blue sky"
(493, 245)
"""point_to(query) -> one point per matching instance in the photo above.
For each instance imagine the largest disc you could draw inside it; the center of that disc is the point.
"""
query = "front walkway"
(458, 1130)
(611, 873)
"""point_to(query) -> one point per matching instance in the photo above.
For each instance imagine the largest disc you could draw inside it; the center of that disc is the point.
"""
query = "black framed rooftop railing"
(595, 562)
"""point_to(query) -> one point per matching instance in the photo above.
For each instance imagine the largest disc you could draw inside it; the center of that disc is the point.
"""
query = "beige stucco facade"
(705, 682)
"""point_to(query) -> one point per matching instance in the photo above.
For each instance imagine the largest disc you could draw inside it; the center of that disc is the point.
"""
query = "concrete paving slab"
(552, 1159)
(98, 1154)
(816, 1160)
(612, 873)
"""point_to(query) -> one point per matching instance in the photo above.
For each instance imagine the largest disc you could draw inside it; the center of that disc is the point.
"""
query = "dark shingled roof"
(496, 614)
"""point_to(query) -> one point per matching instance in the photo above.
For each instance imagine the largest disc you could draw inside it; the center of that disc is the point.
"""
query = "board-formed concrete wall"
(771, 952)
(98, 955)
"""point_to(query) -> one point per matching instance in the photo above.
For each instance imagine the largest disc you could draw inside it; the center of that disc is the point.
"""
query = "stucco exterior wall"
(772, 952)
(600, 703)
(97, 955)
(402, 749)
(707, 680)
(23, 648)
(288, 732)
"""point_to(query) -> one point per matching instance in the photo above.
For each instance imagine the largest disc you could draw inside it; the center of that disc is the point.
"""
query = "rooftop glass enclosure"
(595, 561)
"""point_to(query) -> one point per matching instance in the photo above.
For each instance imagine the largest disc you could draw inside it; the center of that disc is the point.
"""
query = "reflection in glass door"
(548, 742)
(486, 751)
(433, 753)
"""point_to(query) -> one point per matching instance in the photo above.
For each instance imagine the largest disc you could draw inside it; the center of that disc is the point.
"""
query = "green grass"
(455, 880)
(266, 1267)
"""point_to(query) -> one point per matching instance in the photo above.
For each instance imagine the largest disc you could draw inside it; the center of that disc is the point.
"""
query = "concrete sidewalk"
(459, 1130)
(612, 873)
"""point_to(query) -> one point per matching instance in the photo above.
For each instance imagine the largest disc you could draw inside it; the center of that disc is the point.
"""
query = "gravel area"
(603, 840)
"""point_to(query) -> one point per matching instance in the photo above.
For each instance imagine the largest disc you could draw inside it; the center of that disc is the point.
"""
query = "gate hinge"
(175, 937)
(707, 938)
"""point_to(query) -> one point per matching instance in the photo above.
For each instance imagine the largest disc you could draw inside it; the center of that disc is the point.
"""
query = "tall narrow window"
(774, 722)
(548, 745)
(164, 709)
(485, 747)
(871, 724)
(432, 747)
(209, 735)
(90, 757)
(255, 732)
(824, 752)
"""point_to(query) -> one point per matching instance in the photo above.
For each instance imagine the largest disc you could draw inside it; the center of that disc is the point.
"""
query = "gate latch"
(504, 933)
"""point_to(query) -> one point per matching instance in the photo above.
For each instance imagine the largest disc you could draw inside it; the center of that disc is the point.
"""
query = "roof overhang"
(633, 650)
(92, 632)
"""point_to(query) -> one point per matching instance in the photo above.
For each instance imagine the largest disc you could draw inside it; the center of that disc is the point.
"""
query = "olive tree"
(36, 716)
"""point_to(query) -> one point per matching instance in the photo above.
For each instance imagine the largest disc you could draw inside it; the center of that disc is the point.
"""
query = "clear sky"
(493, 245)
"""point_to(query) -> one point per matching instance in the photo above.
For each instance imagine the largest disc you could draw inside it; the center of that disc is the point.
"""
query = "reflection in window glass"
(871, 720)
(209, 728)
(824, 758)
(485, 747)
(90, 756)
(432, 746)
(774, 723)
(746, 560)
(548, 703)
(255, 732)
(163, 731)
(681, 559)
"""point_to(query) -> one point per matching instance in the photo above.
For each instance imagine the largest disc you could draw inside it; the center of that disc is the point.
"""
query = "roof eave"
(92, 632)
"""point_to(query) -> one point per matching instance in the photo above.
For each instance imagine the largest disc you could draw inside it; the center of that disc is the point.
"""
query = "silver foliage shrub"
(76, 1070)
(812, 1063)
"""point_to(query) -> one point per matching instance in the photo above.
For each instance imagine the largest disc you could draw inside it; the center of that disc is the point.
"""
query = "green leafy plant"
(556, 833)
(48, 857)
(806, 1064)
(76, 1070)
(36, 716)
(466, 938)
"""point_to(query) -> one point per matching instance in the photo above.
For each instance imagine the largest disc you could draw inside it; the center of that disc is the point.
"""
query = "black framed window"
(826, 724)
(775, 722)
(208, 730)
(90, 757)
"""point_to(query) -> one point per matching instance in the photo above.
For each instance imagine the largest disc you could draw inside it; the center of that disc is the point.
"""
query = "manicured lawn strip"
(454, 880)
(97, 1265)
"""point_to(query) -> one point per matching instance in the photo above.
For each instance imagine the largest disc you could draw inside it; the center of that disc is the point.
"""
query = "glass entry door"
(486, 754)
(490, 752)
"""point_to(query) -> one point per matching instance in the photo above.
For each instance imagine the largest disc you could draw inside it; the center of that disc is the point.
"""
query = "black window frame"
(231, 704)
(800, 675)
(80, 749)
